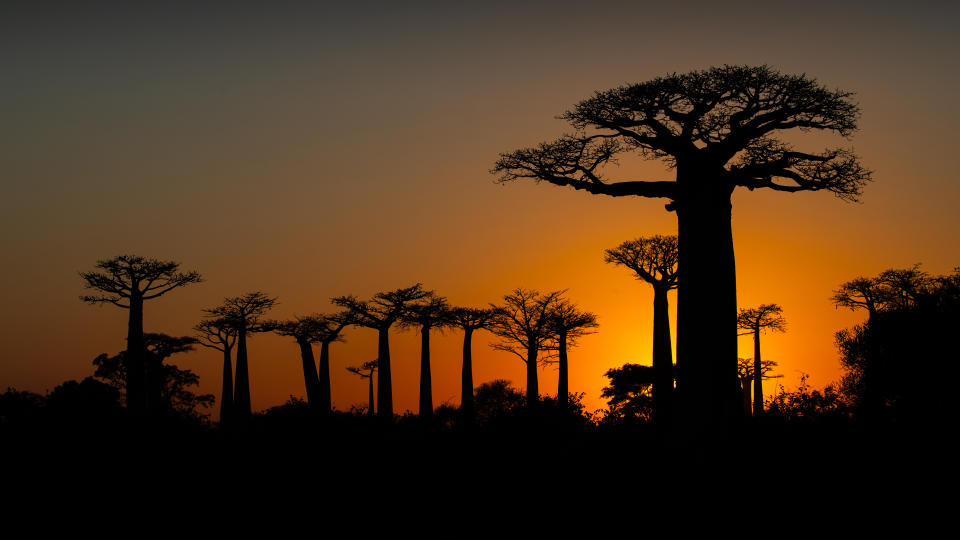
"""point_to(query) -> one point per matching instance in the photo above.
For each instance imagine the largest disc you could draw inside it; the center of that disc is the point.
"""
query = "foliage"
(496, 399)
(808, 405)
(630, 393)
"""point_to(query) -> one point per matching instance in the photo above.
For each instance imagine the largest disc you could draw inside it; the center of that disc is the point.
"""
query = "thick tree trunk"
(241, 398)
(533, 389)
(757, 376)
(310, 381)
(384, 388)
(226, 392)
(466, 378)
(324, 398)
(426, 384)
(563, 385)
(706, 306)
(662, 358)
(135, 358)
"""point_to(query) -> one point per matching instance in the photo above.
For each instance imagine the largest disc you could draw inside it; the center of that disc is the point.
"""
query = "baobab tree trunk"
(135, 357)
(242, 387)
(745, 385)
(384, 388)
(324, 399)
(466, 378)
(563, 386)
(370, 409)
(757, 375)
(310, 380)
(533, 390)
(706, 305)
(662, 358)
(426, 390)
(226, 392)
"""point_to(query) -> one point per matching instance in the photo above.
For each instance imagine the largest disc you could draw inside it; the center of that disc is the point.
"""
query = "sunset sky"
(313, 152)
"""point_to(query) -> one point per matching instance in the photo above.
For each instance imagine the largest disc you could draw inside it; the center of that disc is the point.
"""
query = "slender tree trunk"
(662, 358)
(563, 386)
(533, 389)
(706, 304)
(310, 380)
(135, 357)
(324, 399)
(426, 384)
(242, 387)
(370, 409)
(757, 375)
(226, 392)
(154, 380)
(384, 388)
(466, 378)
(745, 384)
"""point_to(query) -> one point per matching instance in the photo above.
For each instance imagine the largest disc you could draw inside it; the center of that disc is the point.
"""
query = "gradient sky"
(312, 152)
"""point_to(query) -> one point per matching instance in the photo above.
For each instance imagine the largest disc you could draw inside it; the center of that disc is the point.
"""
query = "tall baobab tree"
(745, 370)
(366, 371)
(654, 260)
(429, 314)
(523, 325)
(244, 314)
(330, 331)
(566, 324)
(719, 129)
(219, 334)
(753, 321)
(380, 313)
(305, 330)
(127, 281)
(469, 320)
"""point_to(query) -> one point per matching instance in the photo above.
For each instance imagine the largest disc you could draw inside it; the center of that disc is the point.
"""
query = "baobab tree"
(380, 313)
(719, 130)
(305, 331)
(654, 260)
(745, 370)
(566, 324)
(244, 314)
(523, 325)
(127, 281)
(219, 334)
(330, 330)
(753, 321)
(429, 314)
(469, 320)
(366, 371)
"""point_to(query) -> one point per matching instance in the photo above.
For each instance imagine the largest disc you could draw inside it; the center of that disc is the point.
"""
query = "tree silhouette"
(329, 331)
(718, 129)
(754, 320)
(566, 324)
(380, 313)
(243, 314)
(745, 370)
(630, 392)
(654, 260)
(127, 281)
(366, 371)
(469, 320)
(218, 334)
(523, 325)
(305, 330)
(431, 313)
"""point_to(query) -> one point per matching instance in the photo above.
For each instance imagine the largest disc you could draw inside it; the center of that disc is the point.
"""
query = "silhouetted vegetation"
(754, 321)
(567, 323)
(431, 313)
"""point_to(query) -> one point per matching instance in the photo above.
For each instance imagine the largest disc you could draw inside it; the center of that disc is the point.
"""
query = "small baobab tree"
(219, 334)
(366, 371)
(330, 330)
(305, 331)
(127, 281)
(469, 320)
(654, 260)
(429, 314)
(566, 324)
(745, 370)
(380, 313)
(753, 321)
(244, 314)
(522, 323)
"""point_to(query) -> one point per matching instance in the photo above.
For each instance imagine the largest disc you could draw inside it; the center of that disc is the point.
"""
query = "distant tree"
(244, 314)
(380, 313)
(718, 129)
(496, 399)
(745, 369)
(329, 331)
(523, 325)
(366, 371)
(892, 289)
(305, 331)
(219, 334)
(428, 314)
(127, 281)
(654, 260)
(469, 320)
(753, 321)
(567, 323)
(630, 393)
